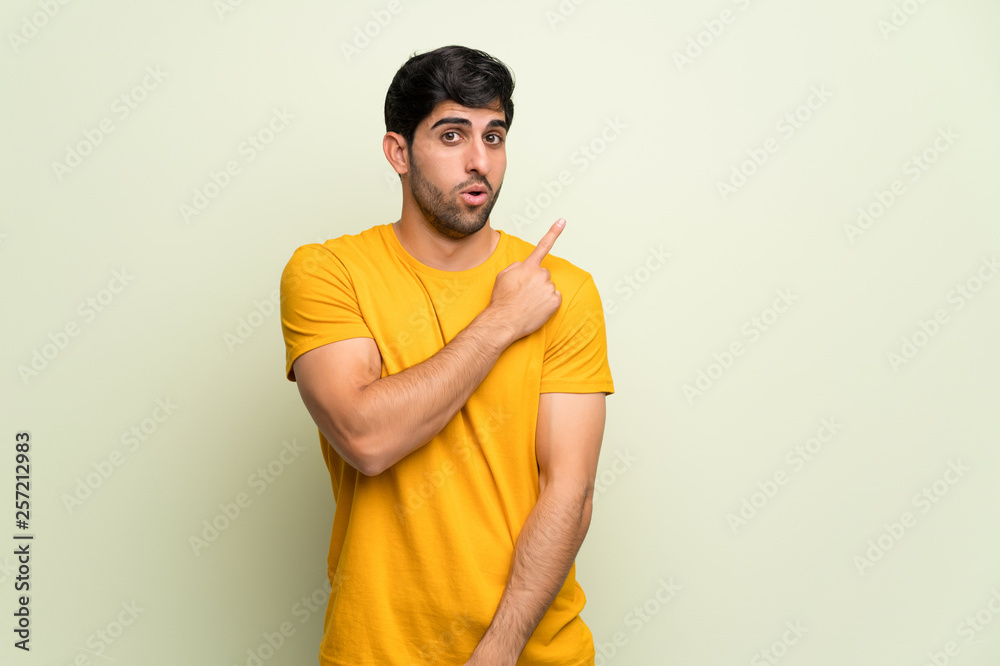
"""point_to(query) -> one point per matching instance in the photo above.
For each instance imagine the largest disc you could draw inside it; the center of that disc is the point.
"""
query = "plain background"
(808, 111)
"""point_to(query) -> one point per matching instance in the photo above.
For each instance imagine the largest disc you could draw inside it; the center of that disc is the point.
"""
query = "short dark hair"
(467, 76)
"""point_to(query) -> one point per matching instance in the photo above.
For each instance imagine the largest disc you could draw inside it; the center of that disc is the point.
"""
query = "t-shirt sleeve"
(576, 357)
(319, 304)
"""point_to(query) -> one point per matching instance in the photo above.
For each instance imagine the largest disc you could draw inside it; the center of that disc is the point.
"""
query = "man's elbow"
(364, 456)
(353, 445)
(367, 439)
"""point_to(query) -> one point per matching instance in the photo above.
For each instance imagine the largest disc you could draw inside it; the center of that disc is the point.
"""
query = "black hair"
(467, 76)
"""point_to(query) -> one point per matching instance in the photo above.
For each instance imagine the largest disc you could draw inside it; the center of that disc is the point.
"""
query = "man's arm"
(567, 444)
(375, 422)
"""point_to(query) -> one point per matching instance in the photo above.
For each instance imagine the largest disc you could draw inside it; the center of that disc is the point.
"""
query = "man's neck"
(446, 254)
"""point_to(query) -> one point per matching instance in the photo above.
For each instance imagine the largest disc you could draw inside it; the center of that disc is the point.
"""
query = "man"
(457, 376)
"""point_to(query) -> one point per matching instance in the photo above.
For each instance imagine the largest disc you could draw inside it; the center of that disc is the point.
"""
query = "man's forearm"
(404, 411)
(546, 547)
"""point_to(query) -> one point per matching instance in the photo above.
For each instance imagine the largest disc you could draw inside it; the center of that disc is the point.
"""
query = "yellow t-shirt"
(420, 553)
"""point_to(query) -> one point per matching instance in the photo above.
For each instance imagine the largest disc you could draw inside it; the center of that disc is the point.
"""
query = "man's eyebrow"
(496, 122)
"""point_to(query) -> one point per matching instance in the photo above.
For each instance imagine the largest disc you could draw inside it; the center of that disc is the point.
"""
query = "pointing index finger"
(548, 240)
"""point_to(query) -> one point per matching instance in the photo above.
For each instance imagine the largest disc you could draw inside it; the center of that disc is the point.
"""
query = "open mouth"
(475, 197)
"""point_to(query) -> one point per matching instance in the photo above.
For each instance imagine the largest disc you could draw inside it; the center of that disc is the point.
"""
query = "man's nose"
(477, 158)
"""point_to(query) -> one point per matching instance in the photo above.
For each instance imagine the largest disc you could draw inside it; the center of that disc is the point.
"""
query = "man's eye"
(445, 135)
(499, 139)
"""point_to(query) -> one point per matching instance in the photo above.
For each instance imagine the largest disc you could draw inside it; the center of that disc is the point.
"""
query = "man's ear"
(394, 146)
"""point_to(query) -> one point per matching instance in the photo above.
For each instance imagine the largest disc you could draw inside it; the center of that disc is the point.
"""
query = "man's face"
(454, 149)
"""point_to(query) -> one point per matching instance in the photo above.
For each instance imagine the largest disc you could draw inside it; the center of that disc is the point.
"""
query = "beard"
(449, 216)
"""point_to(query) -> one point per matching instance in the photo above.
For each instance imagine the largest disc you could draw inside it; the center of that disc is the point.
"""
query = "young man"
(457, 376)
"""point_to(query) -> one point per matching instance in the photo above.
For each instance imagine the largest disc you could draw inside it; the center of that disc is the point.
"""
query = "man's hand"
(524, 293)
